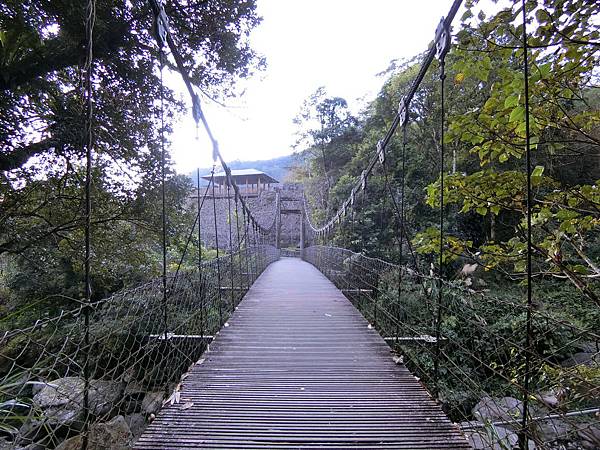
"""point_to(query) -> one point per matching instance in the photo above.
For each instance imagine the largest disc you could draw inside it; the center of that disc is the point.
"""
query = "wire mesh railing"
(134, 359)
(480, 354)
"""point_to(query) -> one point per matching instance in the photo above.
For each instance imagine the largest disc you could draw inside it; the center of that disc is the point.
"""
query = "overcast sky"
(339, 44)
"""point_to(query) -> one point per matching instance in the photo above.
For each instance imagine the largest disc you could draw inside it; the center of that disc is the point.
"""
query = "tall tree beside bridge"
(41, 121)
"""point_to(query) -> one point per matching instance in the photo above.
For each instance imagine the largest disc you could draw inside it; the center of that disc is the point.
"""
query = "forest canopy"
(42, 47)
(484, 189)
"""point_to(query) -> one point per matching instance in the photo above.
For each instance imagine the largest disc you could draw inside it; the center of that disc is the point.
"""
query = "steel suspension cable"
(230, 244)
(434, 51)
(189, 240)
(163, 199)
(212, 175)
(523, 435)
(239, 240)
(200, 271)
(90, 18)
(438, 321)
(402, 221)
(164, 37)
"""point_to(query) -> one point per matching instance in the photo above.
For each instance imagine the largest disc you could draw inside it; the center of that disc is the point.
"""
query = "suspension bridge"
(299, 367)
(327, 349)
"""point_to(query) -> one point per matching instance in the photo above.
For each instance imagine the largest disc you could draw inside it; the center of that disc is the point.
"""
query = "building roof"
(241, 175)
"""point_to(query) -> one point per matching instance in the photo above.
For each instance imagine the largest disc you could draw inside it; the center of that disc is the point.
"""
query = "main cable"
(441, 45)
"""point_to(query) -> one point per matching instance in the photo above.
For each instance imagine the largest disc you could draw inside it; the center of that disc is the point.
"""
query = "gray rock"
(62, 399)
(552, 430)
(590, 347)
(590, 359)
(112, 435)
(498, 410)
(37, 430)
(6, 445)
(134, 387)
(492, 438)
(131, 404)
(590, 435)
(59, 392)
(74, 443)
(550, 399)
(133, 395)
(137, 423)
(152, 402)
(104, 395)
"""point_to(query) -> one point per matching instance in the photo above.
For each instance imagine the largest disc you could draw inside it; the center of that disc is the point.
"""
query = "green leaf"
(545, 70)
(536, 175)
(537, 172)
(511, 101)
(517, 114)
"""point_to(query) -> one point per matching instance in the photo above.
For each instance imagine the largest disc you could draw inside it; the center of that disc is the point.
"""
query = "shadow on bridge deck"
(298, 367)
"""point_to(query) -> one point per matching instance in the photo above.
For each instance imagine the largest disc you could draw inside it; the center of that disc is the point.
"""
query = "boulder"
(153, 402)
(492, 438)
(550, 399)
(36, 431)
(104, 395)
(62, 399)
(590, 359)
(589, 434)
(551, 430)
(112, 435)
(503, 409)
(74, 443)
(590, 346)
(134, 388)
(133, 395)
(137, 423)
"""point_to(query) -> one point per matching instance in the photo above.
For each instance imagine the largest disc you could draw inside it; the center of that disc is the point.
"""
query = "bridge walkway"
(299, 367)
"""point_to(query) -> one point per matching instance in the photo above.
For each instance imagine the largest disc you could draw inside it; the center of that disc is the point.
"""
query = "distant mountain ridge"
(278, 167)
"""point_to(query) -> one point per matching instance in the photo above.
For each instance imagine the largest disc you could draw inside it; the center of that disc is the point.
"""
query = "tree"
(41, 51)
(565, 126)
(323, 123)
(41, 134)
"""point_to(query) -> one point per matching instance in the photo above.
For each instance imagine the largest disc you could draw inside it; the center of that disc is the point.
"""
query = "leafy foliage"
(485, 202)
(41, 137)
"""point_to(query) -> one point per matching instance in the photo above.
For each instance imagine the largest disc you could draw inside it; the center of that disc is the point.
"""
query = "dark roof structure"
(243, 176)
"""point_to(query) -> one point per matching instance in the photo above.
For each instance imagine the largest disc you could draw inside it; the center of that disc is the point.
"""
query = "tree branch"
(16, 158)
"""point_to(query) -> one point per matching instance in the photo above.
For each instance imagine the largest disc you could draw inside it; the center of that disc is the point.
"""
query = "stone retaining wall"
(263, 208)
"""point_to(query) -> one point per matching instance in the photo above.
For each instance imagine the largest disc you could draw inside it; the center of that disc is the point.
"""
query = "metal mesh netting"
(65, 374)
(480, 355)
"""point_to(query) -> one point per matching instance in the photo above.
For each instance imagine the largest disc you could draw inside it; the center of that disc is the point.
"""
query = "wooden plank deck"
(298, 367)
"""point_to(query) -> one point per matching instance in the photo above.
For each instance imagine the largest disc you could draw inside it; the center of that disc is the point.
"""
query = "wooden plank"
(299, 367)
